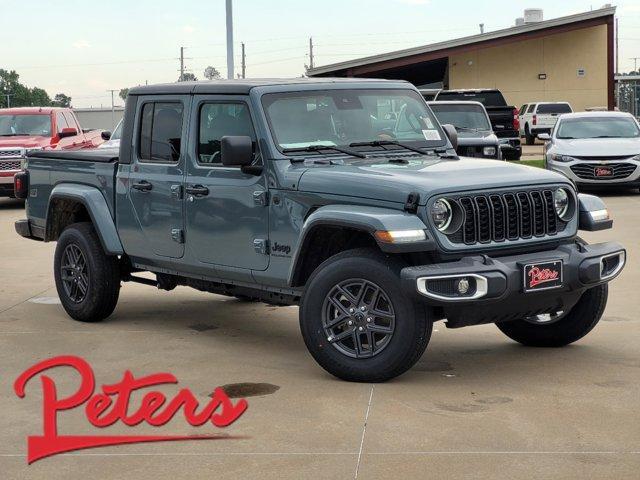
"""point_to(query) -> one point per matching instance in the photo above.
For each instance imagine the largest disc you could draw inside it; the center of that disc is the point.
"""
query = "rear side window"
(523, 108)
(61, 122)
(554, 108)
(531, 108)
(160, 137)
(489, 98)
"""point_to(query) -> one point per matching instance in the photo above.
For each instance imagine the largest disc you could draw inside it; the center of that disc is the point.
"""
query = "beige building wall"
(513, 68)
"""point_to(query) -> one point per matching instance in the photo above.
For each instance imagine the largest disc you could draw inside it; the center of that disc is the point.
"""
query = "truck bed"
(48, 169)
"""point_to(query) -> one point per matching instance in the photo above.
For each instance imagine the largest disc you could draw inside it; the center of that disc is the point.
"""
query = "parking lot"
(476, 405)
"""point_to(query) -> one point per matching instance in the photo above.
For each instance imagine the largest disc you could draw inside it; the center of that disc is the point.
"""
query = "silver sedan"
(595, 148)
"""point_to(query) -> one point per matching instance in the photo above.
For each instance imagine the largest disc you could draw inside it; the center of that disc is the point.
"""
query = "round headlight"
(561, 202)
(441, 214)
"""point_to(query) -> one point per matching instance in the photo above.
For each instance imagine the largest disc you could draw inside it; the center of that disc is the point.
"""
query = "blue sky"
(84, 48)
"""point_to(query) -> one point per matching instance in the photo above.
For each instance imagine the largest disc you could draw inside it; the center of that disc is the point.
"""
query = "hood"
(24, 142)
(393, 182)
(593, 147)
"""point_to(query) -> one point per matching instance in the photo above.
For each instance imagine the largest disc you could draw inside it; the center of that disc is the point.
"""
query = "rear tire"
(579, 321)
(529, 139)
(87, 279)
(388, 332)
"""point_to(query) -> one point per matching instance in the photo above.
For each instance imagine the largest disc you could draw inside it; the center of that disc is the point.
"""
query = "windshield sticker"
(428, 122)
(431, 135)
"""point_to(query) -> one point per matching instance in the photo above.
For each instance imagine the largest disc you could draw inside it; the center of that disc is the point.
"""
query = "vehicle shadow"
(274, 336)
(11, 204)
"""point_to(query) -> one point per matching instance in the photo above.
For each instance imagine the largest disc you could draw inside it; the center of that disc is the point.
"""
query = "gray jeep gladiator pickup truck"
(343, 196)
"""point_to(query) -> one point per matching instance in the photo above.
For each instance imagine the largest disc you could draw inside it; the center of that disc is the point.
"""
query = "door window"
(218, 120)
(523, 108)
(61, 122)
(160, 136)
(531, 108)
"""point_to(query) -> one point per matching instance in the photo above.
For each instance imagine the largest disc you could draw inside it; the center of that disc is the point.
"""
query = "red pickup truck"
(37, 128)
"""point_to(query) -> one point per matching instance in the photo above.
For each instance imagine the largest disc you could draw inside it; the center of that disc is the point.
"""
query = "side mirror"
(452, 133)
(67, 132)
(236, 151)
(593, 214)
(106, 135)
(544, 136)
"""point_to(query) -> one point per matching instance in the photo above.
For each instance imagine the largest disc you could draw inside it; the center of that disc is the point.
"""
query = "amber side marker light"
(400, 236)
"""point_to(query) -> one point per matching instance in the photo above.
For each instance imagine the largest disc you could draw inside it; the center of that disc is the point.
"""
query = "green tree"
(15, 94)
(123, 93)
(188, 77)
(211, 73)
(61, 100)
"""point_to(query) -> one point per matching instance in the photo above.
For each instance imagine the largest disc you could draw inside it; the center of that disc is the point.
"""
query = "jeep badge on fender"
(302, 192)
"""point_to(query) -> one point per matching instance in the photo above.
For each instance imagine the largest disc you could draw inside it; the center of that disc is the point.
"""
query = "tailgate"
(547, 120)
(502, 121)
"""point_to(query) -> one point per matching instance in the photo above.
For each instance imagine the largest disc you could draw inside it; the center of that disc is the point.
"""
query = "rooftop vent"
(533, 15)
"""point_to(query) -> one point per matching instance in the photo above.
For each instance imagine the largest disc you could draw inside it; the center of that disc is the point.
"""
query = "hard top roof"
(243, 86)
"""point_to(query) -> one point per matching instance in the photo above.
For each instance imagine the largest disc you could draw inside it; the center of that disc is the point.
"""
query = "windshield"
(491, 98)
(463, 117)
(554, 108)
(16, 125)
(598, 127)
(342, 117)
(117, 133)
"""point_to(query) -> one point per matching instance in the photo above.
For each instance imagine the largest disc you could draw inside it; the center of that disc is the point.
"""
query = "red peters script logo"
(111, 405)
(542, 275)
(603, 172)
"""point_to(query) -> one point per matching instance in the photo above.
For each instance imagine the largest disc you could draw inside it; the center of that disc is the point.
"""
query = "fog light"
(489, 151)
(463, 286)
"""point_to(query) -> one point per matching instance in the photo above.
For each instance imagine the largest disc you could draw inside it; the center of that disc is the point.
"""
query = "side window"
(160, 136)
(61, 122)
(218, 120)
(531, 108)
(71, 121)
(523, 108)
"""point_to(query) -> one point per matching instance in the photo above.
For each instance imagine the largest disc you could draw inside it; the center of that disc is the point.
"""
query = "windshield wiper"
(466, 129)
(13, 134)
(318, 148)
(384, 143)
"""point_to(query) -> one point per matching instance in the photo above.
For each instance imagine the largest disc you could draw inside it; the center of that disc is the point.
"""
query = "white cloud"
(80, 44)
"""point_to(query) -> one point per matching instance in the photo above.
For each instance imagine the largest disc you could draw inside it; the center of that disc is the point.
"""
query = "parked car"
(537, 118)
(504, 118)
(595, 149)
(23, 130)
(475, 137)
(112, 140)
(291, 192)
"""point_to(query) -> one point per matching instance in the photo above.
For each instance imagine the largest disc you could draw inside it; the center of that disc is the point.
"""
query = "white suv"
(541, 117)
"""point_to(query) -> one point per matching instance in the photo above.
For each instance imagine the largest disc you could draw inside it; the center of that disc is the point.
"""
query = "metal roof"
(434, 47)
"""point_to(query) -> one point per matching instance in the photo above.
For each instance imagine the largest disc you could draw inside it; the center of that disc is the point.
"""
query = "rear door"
(226, 210)
(157, 174)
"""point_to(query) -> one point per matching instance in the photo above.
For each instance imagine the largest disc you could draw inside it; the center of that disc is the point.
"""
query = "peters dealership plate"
(542, 276)
(603, 172)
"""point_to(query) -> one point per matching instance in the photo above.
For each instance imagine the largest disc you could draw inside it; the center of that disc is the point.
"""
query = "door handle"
(197, 190)
(142, 185)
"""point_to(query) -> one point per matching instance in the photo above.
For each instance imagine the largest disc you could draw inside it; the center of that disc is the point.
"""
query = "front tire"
(87, 279)
(569, 328)
(357, 322)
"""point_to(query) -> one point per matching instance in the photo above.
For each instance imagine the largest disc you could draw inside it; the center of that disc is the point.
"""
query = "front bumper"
(496, 290)
(632, 180)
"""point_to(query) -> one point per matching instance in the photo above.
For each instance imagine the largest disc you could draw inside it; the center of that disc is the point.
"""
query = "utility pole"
(617, 49)
(230, 66)
(481, 28)
(113, 110)
(310, 52)
(8, 95)
(244, 64)
(181, 64)
(635, 63)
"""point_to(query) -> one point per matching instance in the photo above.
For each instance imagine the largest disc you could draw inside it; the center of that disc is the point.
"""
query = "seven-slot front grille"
(588, 170)
(9, 165)
(506, 216)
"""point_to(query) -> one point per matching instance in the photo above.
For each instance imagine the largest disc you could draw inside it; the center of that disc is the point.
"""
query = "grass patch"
(539, 163)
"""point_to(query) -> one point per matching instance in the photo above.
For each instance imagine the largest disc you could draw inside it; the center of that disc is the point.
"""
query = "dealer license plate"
(542, 276)
(603, 172)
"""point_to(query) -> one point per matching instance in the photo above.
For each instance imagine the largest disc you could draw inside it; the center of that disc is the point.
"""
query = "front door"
(157, 175)
(226, 215)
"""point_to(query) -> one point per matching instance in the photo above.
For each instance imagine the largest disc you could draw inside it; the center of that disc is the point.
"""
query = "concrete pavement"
(477, 405)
